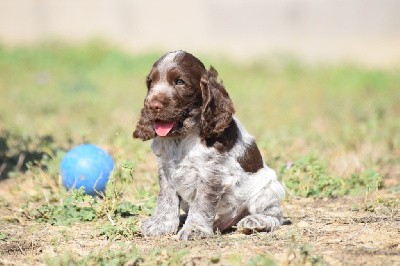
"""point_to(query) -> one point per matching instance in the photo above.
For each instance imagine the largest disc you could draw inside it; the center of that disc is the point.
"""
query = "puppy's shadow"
(182, 220)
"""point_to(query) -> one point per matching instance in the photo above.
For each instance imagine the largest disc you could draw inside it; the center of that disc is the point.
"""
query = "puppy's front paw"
(156, 226)
(192, 232)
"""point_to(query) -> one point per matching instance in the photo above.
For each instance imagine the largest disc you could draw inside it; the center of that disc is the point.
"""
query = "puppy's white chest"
(183, 163)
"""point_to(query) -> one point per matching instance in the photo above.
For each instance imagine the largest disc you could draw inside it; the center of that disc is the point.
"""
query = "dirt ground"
(343, 231)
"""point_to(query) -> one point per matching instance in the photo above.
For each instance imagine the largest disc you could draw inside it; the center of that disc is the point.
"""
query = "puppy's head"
(182, 94)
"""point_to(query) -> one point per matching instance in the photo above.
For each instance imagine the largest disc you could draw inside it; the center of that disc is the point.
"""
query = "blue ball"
(86, 166)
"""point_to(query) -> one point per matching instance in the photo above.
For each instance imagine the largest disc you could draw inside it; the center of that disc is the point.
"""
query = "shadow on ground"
(17, 152)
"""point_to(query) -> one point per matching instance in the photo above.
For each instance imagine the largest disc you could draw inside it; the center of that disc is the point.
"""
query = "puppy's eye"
(179, 82)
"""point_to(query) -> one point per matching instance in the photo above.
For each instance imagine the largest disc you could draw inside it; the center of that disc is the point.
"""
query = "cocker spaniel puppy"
(208, 164)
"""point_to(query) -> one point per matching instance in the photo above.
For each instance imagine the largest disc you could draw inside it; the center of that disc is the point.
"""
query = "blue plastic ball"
(86, 166)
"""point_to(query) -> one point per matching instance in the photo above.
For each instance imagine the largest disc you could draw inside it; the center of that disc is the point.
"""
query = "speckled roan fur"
(208, 164)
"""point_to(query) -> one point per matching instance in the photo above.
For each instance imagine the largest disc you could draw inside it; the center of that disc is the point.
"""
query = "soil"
(351, 230)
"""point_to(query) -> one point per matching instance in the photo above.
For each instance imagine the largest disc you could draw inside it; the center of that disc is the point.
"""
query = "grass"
(329, 131)
(308, 177)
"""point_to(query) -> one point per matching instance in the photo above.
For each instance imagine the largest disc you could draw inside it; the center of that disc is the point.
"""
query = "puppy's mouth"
(162, 128)
(171, 126)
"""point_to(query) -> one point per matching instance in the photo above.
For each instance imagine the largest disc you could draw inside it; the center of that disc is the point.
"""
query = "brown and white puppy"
(208, 164)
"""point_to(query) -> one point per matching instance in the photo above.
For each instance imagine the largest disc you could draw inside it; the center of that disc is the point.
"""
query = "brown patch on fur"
(251, 160)
(225, 141)
(144, 128)
(217, 108)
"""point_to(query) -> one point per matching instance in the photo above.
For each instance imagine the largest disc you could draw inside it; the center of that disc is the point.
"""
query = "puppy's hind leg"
(262, 222)
(265, 213)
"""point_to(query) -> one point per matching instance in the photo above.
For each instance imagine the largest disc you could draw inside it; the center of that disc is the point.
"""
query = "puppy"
(208, 164)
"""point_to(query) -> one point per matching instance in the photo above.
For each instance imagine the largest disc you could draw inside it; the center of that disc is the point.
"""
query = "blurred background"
(363, 31)
(310, 79)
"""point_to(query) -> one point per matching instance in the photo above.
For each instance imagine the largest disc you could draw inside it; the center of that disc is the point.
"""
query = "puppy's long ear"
(144, 128)
(217, 109)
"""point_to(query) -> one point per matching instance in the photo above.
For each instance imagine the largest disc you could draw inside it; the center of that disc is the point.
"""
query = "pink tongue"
(163, 128)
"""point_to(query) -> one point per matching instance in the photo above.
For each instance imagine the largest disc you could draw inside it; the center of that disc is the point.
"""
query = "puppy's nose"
(155, 105)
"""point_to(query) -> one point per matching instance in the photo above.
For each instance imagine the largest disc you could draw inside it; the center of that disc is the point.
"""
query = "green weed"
(111, 258)
(126, 209)
(117, 226)
(215, 259)
(76, 207)
(261, 260)
(309, 177)
(79, 207)
(234, 259)
(4, 202)
(127, 228)
(307, 257)
(3, 236)
(124, 256)
(169, 257)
